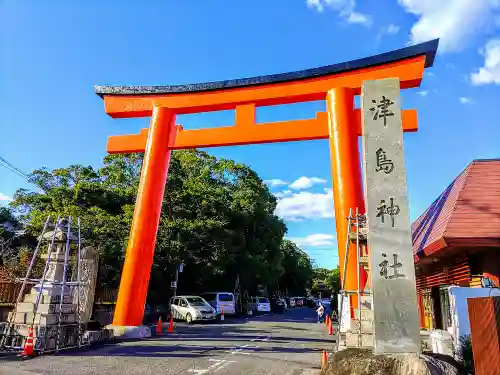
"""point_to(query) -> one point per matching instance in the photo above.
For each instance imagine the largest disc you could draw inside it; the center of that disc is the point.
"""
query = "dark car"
(311, 303)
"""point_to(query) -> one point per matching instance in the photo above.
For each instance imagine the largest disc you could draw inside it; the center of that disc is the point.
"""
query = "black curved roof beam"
(423, 53)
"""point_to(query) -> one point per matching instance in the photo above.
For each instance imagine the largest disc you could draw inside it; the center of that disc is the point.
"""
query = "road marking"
(197, 372)
(261, 338)
(238, 350)
(219, 363)
(222, 364)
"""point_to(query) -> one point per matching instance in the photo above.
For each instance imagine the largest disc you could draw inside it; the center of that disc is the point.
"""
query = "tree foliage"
(217, 219)
(297, 270)
(325, 280)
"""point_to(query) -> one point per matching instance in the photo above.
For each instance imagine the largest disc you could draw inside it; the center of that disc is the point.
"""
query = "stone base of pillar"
(364, 362)
(130, 332)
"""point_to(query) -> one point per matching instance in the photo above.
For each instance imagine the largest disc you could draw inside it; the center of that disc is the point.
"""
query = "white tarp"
(345, 313)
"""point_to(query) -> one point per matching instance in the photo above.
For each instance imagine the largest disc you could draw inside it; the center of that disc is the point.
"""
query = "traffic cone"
(324, 359)
(159, 327)
(222, 315)
(330, 328)
(171, 324)
(28, 344)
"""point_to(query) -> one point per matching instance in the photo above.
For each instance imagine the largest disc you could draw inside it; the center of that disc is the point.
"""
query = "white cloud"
(4, 197)
(315, 4)
(422, 93)
(430, 74)
(345, 9)
(490, 72)
(275, 182)
(306, 182)
(465, 100)
(313, 240)
(306, 205)
(455, 22)
(283, 193)
(389, 30)
(360, 18)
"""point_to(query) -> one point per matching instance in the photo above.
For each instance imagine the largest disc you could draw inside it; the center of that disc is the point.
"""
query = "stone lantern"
(55, 269)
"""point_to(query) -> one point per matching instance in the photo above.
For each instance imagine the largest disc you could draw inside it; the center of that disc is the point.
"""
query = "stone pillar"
(85, 293)
(396, 323)
(55, 267)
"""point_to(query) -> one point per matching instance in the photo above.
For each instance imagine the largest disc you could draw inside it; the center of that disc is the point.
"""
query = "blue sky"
(52, 53)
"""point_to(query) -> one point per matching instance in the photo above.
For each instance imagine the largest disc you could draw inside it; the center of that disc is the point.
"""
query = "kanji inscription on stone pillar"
(396, 325)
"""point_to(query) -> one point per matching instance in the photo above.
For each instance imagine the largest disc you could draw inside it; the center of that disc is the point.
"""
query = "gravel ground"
(288, 344)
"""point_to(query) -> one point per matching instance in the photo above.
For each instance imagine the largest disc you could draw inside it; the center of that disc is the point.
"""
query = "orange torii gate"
(341, 124)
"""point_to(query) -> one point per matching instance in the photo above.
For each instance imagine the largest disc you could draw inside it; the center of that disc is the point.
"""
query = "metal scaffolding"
(11, 339)
(356, 233)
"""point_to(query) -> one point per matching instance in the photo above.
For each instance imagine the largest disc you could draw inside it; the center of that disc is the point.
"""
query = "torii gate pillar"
(346, 176)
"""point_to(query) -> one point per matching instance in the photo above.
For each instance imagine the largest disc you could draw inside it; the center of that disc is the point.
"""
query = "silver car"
(258, 305)
(191, 309)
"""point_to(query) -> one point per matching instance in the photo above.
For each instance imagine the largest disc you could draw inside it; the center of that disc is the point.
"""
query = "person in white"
(320, 311)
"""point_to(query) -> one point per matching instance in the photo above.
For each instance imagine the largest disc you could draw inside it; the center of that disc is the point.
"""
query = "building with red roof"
(456, 241)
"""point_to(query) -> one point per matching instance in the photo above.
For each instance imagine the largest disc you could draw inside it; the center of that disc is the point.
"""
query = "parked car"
(191, 309)
(311, 303)
(257, 305)
(291, 302)
(221, 301)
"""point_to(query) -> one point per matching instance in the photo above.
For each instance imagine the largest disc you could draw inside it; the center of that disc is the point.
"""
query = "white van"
(221, 301)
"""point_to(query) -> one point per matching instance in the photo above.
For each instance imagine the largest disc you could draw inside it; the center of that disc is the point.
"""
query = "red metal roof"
(467, 213)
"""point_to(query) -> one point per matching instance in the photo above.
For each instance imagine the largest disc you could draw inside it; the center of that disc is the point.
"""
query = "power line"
(11, 167)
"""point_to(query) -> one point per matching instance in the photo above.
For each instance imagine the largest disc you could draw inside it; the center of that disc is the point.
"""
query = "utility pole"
(176, 280)
(177, 267)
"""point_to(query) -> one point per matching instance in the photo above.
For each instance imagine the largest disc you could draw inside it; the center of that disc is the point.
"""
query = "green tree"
(332, 281)
(297, 269)
(217, 219)
(326, 281)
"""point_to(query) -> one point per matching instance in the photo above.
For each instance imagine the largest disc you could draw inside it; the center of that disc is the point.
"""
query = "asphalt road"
(288, 344)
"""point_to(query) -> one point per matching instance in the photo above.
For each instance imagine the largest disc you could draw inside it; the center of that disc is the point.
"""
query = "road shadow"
(273, 339)
(183, 351)
(218, 330)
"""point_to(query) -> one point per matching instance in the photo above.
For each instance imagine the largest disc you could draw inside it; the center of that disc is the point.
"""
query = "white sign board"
(344, 313)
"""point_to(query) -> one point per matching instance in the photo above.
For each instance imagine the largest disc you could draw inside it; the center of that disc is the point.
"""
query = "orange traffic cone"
(324, 359)
(28, 344)
(222, 315)
(171, 324)
(159, 327)
(330, 328)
